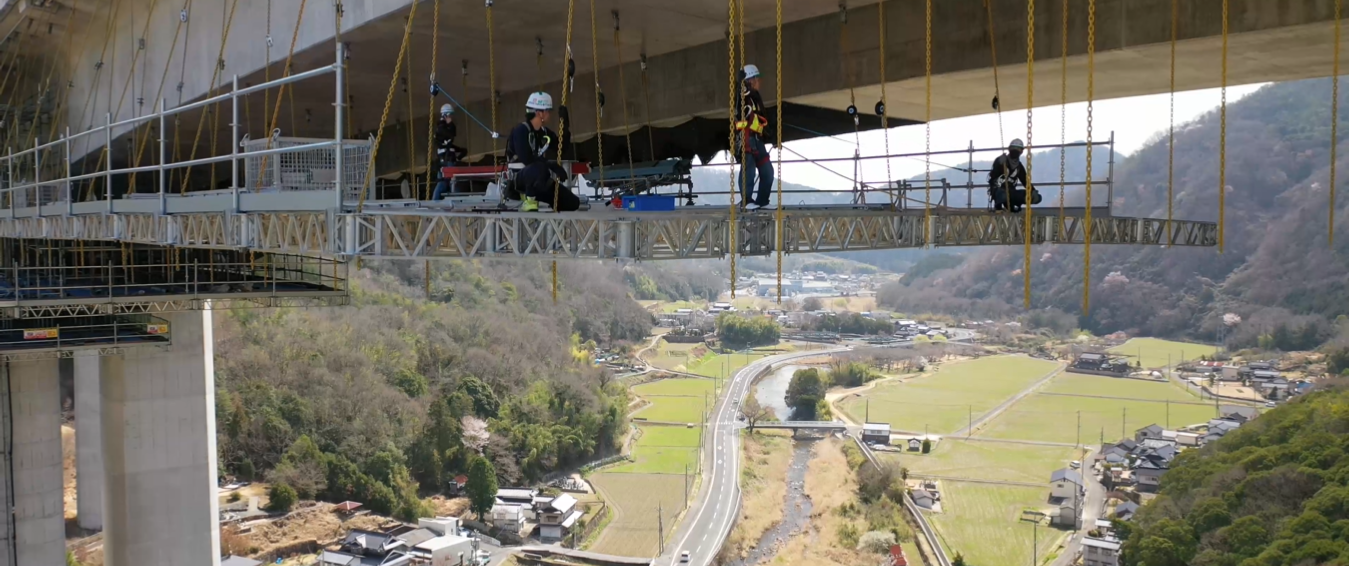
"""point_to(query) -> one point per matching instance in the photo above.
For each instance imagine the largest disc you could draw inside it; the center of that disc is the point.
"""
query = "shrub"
(878, 542)
(281, 498)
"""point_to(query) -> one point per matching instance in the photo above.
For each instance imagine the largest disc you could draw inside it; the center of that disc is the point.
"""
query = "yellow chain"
(646, 109)
(388, 103)
(1222, 143)
(885, 107)
(1334, 123)
(285, 72)
(732, 227)
(98, 77)
(412, 146)
(1030, 144)
(927, 123)
(140, 149)
(779, 148)
(562, 122)
(1171, 125)
(858, 185)
(492, 81)
(431, 106)
(997, 90)
(599, 110)
(215, 76)
(267, 66)
(126, 85)
(1091, 95)
(1063, 118)
(622, 92)
(463, 91)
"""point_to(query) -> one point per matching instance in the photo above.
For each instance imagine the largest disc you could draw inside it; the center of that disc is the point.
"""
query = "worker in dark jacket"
(534, 145)
(752, 138)
(1007, 170)
(447, 153)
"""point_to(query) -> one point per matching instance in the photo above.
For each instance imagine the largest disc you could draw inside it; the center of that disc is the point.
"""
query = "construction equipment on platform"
(305, 170)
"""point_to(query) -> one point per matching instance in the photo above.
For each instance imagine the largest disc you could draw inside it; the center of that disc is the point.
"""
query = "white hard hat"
(1016, 144)
(539, 101)
(446, 109)
(751, 71)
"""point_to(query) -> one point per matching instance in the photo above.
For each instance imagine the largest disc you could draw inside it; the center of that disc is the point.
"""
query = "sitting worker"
(1007, 170)
(535, 146)
(447, 154)
(751, 135)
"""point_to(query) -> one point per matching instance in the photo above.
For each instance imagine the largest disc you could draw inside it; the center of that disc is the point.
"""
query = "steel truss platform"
(38, 338)
(690, 232)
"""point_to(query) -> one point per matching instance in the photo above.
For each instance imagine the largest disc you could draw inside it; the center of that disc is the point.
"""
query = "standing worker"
(751, 132)
(447, 153)
(1007, 170)
(534, 145)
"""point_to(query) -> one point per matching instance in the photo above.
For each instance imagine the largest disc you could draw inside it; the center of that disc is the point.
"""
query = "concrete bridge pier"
(30, 464)
(88, 440)
(160, 506)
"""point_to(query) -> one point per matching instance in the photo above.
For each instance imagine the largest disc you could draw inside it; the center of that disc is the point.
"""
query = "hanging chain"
(562, 122)
(1334, 123)
(646, 108)
(163, 77)
(885, 107)
(492, 79)
(1030, 144)
(388, 104)
(997, 90)
(1091, 97)
(599, 95)
(1063, 120)
(215, 76)
(431, 107)
(927, 123)
(1171, 126)
(622, 91)
(779, 146)
(730, 148)
(1222, 144)
(285, 72)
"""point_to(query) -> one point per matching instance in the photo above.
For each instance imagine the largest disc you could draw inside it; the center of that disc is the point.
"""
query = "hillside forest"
(398, 393)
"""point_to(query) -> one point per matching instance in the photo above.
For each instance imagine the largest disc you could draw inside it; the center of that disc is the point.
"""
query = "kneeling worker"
(1007, 170)
(534, 145)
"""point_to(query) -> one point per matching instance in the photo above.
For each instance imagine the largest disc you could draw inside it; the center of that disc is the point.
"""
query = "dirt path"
(832, 397)
(617, 517)
(983, 419)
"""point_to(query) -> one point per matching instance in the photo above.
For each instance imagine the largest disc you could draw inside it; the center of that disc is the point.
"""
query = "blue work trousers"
(755, 163)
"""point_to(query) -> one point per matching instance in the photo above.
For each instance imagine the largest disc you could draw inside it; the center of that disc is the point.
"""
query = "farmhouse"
(1065, 484)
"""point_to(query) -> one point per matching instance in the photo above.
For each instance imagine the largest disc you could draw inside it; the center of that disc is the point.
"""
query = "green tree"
(804, 392)
(482, 486)
(281, 498)
(959, 560)
(1209, 515)
(927, 446)
(485, 402)
(302, 468)
(410, 382)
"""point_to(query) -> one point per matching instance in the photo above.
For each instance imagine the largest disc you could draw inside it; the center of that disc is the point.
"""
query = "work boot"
(529, 204)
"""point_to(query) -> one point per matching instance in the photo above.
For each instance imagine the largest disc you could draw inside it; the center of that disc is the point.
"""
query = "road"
(1094, 507)
(709, 518)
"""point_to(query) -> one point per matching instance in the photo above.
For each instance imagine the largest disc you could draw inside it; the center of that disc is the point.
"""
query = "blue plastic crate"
(649, 203)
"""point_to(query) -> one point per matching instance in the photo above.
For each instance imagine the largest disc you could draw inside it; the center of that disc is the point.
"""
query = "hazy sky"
(1133, 121)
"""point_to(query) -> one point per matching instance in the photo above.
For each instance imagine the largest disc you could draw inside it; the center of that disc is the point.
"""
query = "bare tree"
(755, 412)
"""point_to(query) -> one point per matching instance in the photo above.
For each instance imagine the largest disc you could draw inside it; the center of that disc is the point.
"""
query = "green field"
(722, 365)
(982, 522)
(675, 400)
(634, 499)
(670, 307)
(1053, 418)
(1155, 353)
(1080, 384)
(663, 450)
(673, 356)
(987, 460)
(942, 401)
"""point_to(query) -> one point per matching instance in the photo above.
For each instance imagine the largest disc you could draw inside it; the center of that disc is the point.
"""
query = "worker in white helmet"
(1007, 170)
(534, 145)
(447, 153)
(752, 137)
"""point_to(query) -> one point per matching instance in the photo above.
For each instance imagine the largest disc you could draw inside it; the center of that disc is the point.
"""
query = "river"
(772, 390)
(796, 509)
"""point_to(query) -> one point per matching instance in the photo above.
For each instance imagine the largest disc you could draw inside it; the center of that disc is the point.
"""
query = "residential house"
(1148, 474)
(440, 525)
(1155, 443)
(1100, 551)
(1067, 515)
(915, 444)
(876, 433)
(1188, 439)
(516, 495)
(239, 561)
(557, 517)
(897, 557)
(445, 550)
(458, 484)
(508, 517)
(1212, 437)
(370, 543)
(1150, 431)
(1276, 389)
(1065, 484)
(1262, 375)
(1115, 458)
(332, 558)
(923, 498)
(1091, 360)
(414, 537)
(1125, 511)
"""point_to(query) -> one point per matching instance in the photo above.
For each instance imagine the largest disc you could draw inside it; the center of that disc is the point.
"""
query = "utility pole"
(1035, 544)
(1168, 414)
(660, 527)
(686, 484)
(1079, 429)
(1124, 418)
(868, 418)
(969, 428)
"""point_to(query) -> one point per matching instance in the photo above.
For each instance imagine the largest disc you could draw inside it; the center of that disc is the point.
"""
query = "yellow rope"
(388, 103)
(997, 90)
(412, 144)
(562, 122)
(927, 123)
(1334, 123)
(1091, 95)
(622, 92)
(215, 76)
(732, 227)
(1063, 119)
(885, 106)
(163, 78)
(599, 109)
(646, 108)
(266, 67)
(135, 57)
(431, 105)
(1030, 111)
(1222, 143)
(285, 72)
(492, 83)
(1171, 125)
(779, 144)
(463, 91)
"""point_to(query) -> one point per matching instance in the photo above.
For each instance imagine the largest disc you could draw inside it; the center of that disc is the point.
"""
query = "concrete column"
(6, 471)
(88, 441)
(159, 451)
(39, 522)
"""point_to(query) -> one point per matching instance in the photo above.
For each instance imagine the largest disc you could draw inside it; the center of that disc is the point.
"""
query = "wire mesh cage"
(304, 170)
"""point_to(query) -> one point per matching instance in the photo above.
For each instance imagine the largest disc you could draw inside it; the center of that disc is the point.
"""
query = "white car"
(684, 557)
(1075, 464)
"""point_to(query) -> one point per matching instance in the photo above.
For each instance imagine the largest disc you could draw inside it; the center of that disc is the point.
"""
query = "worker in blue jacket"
(535, 145)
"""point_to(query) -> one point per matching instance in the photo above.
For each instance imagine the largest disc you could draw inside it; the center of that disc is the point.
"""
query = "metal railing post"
(338, 114)
(37, 176)
(9, 159)
(1110, 179)
(70, 192)
(969, 172)
(234, 142)
(163, 135)
(107, 149)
